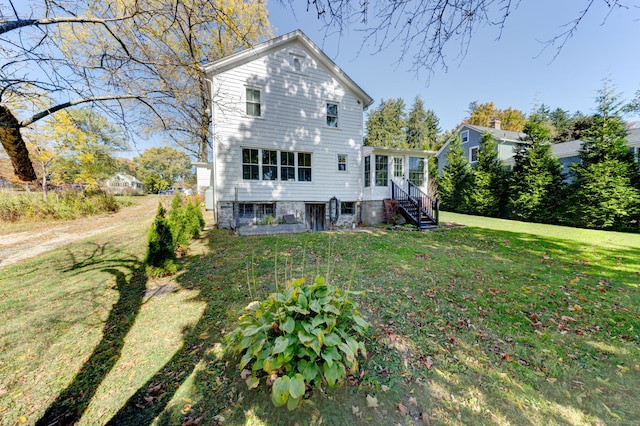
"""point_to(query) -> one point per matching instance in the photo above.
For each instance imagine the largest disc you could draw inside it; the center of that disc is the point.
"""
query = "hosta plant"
(300, 337)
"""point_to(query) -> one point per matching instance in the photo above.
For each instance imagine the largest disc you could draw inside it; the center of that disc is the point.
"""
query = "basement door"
(315, 216)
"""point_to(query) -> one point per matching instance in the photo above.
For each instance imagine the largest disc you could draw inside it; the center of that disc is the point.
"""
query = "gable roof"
(498, 134)
(297, 36)
(572, 148)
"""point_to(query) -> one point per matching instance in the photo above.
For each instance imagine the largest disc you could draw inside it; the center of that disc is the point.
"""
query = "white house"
(287, 141)
(122, 183)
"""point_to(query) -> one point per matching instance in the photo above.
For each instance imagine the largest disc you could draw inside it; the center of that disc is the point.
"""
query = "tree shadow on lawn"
(71, 403)
(222, 287)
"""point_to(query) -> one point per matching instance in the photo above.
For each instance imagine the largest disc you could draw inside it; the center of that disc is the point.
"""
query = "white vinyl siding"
(295, 123)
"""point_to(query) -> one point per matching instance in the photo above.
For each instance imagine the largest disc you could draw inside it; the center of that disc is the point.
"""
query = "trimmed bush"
(161, 253)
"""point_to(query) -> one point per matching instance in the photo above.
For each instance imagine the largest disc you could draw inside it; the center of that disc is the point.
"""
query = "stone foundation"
(372, 212)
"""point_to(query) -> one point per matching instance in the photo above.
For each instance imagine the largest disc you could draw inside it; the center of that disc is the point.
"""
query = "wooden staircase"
(417, 207)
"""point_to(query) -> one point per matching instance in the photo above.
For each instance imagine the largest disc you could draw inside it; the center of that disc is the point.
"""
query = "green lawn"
(496, 323)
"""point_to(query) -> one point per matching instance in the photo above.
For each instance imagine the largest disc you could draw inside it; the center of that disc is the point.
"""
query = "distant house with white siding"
(288, 142)
(122, 183)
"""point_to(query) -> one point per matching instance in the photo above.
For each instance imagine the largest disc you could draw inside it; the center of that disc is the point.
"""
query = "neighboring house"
(569, 152)
(288, 141)
(122, 183)
(471, 137)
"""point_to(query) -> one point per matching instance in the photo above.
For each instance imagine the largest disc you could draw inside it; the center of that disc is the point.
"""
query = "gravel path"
(41, 237)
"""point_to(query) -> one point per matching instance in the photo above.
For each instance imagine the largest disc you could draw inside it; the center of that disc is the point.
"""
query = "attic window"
(296, 64)
(253, 102)
(332, 114)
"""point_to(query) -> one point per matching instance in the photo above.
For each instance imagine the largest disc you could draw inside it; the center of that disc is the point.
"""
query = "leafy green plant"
(305, 335)
(269, 220)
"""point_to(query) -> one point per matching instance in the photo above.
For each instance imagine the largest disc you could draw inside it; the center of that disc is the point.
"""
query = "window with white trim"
(263, 164)
(382, 170)
(473, 154)
(304, 167)
(288, 166)
(332, 114)
(416, 170)
(250, 164)
(269, 165)
(252, 99)
(342, 162)
(397, 167)
(464, 136)
(367, 170)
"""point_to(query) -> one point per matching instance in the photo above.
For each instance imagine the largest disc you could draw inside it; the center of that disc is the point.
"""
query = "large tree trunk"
(14, 145)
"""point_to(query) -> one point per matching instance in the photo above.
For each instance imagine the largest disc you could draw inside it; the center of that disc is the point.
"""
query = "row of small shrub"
(171, 235)
(31, 206)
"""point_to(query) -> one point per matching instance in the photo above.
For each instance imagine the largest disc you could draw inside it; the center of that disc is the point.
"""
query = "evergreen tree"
(422, 127)
(535, 190)
(386, 125)
(161, 250)
(489, 178)
(454, 184)
(604, 195)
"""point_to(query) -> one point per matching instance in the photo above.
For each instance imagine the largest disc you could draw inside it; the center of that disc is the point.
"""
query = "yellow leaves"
(611, 413)
(372, 401)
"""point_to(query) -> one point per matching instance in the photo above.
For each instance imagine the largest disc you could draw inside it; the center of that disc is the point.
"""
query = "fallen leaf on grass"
(403, 410)
(611, 413)
(372, 401)
(425, 419)
(356, 411)
(413, 401)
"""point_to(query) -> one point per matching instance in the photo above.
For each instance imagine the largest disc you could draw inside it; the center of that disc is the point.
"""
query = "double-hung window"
(332, 114)
(416, 170)
(269, 165)
(253, 102)
(464, 136)
(473, 154)
(304, 167)
(250, 164)
(342, 162)
(382, 170)
(287, 165)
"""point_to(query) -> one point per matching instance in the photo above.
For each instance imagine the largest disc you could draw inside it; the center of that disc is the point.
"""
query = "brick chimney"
(494, 123)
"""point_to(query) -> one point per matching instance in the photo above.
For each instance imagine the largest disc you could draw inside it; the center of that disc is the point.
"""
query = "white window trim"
(476, 147)
(326, 114)
(346, 163)
(244, 102)
(461, 136)
(293, 56)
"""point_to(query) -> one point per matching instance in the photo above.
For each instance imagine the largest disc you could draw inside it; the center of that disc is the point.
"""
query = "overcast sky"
(510, 71)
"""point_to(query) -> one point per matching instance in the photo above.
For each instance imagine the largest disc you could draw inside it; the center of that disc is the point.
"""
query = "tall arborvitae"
(487, 194)
(603, 193)
(161, 251)
(454, 184)
(536, 188)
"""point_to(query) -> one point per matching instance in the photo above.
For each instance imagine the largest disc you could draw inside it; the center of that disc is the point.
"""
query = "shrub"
(161, 252)
(193, 217)
(302, 336)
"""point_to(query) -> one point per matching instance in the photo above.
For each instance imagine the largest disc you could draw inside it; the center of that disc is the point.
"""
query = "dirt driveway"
(29, 240)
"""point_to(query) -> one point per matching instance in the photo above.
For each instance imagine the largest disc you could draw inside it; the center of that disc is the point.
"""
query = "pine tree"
(454, 184)
(161, 249)
(386, 125)
(422, 127)
(487, 194)
(603, 193)
(536, 188)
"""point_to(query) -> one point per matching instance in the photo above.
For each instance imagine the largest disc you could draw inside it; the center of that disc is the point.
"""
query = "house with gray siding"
(471, 137)
(288, 141)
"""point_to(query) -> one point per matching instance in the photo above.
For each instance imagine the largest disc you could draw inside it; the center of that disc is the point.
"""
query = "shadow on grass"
(72, 402)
